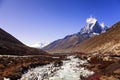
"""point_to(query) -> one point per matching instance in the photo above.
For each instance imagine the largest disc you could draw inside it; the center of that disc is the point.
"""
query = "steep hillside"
(4, 36)
(92, 28)
(9, 45)
(106, 42)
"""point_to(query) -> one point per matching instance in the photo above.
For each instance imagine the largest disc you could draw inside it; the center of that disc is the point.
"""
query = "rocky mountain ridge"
(92, 28)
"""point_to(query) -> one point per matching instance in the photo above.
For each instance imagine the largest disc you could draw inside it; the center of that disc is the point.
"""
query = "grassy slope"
(102, 43)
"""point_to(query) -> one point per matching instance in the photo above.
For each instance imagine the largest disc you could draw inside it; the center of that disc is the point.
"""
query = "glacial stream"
(70, 70)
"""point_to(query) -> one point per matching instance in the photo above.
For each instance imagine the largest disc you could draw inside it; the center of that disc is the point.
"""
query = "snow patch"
(102, 25)
(95, 33)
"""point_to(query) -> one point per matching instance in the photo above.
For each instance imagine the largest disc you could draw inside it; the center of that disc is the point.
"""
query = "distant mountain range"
(92, 28)
(9, 45)
(38, 45)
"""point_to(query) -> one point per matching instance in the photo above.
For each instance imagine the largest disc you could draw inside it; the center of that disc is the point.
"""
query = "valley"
(75, 66)
(92, 54)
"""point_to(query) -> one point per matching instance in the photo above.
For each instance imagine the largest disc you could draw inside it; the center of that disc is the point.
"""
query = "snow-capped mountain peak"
(93, 26)
(91, 20)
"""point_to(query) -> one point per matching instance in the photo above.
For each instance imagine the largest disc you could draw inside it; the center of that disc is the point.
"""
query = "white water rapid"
(70, 70)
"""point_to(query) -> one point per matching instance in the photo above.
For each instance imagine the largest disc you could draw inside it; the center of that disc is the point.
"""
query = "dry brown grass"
(14, 67)
(101, 42)
(104, 69)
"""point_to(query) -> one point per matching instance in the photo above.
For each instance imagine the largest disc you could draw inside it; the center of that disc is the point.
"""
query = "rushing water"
(70, 70)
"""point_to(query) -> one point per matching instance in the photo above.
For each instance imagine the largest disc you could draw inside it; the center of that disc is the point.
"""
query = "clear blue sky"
(47, 20)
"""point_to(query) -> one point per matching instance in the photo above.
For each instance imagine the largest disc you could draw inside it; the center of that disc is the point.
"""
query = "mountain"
(92, 28)
(38, 45)
(9, 45)
(4, 36)
(108, 42)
